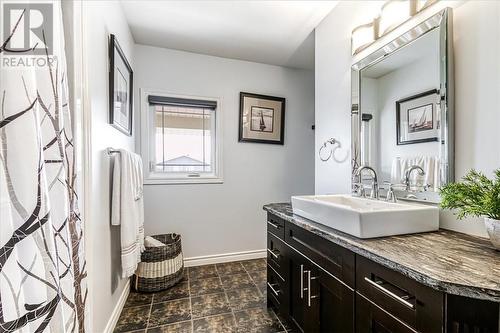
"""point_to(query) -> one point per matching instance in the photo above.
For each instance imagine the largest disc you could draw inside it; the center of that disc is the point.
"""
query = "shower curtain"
(42, 263)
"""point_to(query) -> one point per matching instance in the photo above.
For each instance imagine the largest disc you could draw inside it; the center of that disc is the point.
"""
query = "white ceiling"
(271, 32)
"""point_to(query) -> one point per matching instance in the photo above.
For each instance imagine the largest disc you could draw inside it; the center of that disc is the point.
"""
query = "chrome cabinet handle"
(390, 293)
(301, 281)
(309, 288)
(276, 292)
(273, 224)
(276, 256)
(309, 297)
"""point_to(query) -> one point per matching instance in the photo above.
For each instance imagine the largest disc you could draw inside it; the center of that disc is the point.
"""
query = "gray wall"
(228, 218)
(477, 90)
(103, 245)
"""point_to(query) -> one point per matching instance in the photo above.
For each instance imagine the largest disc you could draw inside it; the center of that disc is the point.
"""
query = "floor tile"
(230, 268)
(180, 290)
(257, 320)
(258, 276)
(185, 274)
(236, 281)
(199, 304)
(245, 298)
(215, 324)
(182, 327)
(255, 265)
(201, 272)
(133, 318)
(205, 286)
(209, 305)
(136, 299)
(262, 286)
(170, 312)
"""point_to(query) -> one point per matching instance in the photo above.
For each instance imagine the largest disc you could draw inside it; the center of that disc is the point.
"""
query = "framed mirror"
(402, 111)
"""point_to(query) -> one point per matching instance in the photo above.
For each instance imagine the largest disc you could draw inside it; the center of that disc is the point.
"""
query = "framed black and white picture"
(120, 88)
(417, 118)
(262, 118)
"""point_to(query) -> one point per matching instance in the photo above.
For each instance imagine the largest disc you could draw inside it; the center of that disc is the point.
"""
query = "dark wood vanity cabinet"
(320, 286)
(318, 301)
(311, 296)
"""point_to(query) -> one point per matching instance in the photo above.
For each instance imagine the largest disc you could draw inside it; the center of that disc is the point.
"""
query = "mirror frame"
(443, 20)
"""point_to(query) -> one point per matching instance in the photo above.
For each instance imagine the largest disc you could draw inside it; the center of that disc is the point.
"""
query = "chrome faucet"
(374, 193)
(408, 173)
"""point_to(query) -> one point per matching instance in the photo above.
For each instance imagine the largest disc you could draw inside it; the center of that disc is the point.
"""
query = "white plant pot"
(493, 229)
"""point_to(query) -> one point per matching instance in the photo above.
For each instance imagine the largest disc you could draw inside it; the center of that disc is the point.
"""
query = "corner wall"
(216, 219)
(477, 93)
(102, 18)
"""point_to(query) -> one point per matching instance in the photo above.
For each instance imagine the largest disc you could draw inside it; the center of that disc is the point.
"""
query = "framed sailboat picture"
(262, 118)
(418, 118)
(121, 79)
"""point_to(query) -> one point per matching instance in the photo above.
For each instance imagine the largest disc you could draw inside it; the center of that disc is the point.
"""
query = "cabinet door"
(329, 304)
(319, 302)
(297, 265)
(370, 318)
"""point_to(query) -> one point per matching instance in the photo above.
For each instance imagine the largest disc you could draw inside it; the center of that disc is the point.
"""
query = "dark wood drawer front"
(337, 260)
(276, 251)
(418, 306)
(276, 290)
(471, 315)
(371, 318)
(276, 226)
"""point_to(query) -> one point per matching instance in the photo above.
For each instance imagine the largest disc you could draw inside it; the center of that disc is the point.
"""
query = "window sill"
(183, 181)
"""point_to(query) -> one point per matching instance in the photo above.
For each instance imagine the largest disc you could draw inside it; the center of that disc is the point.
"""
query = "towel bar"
(112, 151)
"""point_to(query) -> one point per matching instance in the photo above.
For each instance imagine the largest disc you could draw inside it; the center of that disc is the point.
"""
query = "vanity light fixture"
(423, 4)
(392, 14)
(363, 36)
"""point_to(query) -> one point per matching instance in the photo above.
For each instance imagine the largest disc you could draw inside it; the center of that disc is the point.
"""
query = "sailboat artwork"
(417, 118)
(262, 119)
(420, 119)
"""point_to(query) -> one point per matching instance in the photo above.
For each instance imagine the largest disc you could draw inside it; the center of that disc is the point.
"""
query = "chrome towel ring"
(334, 146)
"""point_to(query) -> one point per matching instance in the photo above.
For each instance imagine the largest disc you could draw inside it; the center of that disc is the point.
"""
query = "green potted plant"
(479, 196)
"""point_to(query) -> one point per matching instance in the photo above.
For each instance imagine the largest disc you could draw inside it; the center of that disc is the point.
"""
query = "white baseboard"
(224, 257)
(115, 315)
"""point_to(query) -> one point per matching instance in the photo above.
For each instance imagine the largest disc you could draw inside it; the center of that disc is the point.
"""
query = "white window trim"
(155, 178)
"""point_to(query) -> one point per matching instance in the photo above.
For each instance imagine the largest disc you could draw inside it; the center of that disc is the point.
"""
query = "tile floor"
(229, 297)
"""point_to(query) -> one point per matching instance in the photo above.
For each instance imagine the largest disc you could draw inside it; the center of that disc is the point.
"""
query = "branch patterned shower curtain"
(42, 264)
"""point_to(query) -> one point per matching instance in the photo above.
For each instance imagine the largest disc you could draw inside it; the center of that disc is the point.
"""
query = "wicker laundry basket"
(160, 267)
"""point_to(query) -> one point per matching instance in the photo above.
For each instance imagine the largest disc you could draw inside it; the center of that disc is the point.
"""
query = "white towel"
(127, 208)
(152, 242)
(429, 164)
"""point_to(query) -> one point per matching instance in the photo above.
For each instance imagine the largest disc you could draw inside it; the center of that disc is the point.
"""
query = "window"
(182, 140)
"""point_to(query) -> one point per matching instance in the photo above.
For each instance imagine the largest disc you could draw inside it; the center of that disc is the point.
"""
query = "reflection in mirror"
(403, 116)
(400, 122)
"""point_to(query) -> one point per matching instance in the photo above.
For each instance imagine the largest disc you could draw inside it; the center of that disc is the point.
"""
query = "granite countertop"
(447, 261)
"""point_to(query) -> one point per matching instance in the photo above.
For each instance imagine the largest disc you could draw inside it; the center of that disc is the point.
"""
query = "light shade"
(362, 36)
(422, 4)
(394, 13)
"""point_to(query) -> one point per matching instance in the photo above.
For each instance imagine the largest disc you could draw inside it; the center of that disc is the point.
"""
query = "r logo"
(34, 28)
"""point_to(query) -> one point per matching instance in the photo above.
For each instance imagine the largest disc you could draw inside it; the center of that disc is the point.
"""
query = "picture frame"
(418, 118)
(121, 81)
(262, 118)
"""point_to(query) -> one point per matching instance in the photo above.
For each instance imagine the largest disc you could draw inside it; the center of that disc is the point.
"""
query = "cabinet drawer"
(276, 258)
(416, 305)
(276, 226)
(276, 290)
(371, 318)
(336, 260)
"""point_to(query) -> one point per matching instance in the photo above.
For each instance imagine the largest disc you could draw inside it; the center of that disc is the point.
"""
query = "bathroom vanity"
(323, 280)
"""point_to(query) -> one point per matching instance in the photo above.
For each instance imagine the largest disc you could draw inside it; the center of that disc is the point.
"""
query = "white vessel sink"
(366, 218)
